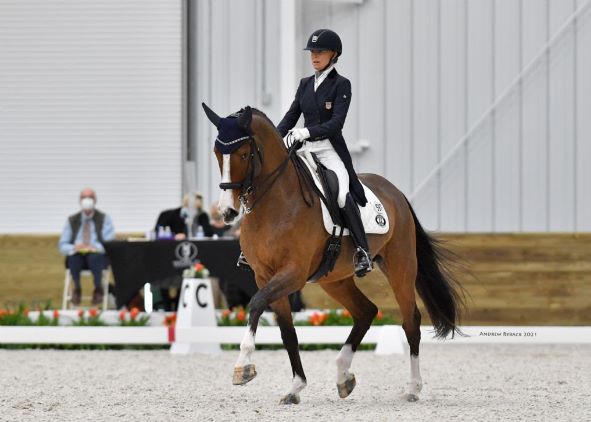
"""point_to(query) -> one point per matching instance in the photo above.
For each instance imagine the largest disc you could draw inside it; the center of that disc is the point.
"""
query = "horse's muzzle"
(229, 215)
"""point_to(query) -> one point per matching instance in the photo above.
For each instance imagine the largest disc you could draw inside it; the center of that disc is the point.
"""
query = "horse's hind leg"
(363, 312)
(401, 270)
(282, 309)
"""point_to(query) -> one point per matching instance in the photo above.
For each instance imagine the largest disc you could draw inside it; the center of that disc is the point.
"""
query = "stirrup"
(362, 262)
(242, 263)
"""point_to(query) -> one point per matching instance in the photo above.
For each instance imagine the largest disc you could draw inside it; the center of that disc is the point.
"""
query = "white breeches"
(329, 157)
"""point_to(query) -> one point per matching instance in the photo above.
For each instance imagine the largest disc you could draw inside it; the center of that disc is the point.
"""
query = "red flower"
(26, 312)
(316, 319)
(2, 312)
(346, 313)
(80, 313)
(225, 313)
(380, 315)
(122, 316)
(199, 266)
(93, 312)
(170, 320)
(241, 315)
(56, 314)
(134, 313)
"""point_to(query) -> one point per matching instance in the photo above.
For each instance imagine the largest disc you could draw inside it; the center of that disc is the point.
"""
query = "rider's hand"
(300, 135)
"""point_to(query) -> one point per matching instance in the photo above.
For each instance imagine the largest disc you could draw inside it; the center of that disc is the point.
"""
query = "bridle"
(247, 185)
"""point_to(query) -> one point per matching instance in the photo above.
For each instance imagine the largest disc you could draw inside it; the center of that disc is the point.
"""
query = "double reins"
(247, 187)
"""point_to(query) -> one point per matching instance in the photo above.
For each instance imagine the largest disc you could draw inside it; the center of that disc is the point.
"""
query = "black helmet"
(325, 39)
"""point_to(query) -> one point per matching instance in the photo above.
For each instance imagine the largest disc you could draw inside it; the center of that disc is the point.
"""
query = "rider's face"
(320, 58)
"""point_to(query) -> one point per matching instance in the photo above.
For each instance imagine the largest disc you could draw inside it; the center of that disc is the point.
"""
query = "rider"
(324, 99)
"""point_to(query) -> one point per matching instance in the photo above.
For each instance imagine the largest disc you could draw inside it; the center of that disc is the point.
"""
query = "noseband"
(246, 185)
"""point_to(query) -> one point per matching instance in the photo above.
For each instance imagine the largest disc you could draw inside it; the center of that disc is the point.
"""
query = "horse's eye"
(244, 156)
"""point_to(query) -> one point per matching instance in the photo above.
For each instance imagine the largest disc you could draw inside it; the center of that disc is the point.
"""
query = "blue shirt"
(67, 248)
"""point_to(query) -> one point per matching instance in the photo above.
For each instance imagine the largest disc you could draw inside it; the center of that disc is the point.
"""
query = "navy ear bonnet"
(233, 131)
(230, 135)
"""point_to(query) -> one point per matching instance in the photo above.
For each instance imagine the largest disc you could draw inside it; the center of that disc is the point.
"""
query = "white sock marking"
(246, 349)
(344, 359)
(416, 382)
(297, 385)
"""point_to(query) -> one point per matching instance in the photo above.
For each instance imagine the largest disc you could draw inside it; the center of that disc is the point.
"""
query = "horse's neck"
(282, 192)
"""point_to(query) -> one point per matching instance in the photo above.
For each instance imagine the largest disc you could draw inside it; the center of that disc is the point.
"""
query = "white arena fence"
(388, 338)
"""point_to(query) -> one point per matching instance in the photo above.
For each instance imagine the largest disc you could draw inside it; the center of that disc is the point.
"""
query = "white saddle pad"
(373, 214)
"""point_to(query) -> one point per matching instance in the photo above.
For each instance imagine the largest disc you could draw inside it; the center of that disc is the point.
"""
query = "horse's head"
(239, 159)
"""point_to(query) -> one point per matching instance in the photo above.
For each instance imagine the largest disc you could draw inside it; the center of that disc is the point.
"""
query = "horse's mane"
(264, 116)
(261, 114)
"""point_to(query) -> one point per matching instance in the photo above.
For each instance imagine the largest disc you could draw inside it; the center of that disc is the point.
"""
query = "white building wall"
(424, 73)
(90, 95)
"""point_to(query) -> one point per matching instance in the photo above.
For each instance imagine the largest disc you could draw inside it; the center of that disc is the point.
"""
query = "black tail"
(441, 293)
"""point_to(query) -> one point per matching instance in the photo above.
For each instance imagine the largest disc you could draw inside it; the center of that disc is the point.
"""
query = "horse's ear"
(245, 119)
(213, 118)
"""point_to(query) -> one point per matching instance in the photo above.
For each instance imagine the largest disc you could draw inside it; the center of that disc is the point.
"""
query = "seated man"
(176, 218)
(82, 244)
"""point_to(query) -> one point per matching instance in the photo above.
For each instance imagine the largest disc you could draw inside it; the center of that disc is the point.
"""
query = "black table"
(161, 262)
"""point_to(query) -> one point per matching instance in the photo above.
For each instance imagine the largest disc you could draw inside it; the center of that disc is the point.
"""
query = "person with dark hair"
(178, 218)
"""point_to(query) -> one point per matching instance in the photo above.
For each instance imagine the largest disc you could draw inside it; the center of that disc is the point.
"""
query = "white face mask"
(87, 204)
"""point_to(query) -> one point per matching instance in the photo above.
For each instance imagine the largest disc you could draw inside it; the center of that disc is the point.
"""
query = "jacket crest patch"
(328, 105)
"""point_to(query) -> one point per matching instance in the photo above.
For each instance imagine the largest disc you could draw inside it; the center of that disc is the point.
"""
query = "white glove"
(300, 134)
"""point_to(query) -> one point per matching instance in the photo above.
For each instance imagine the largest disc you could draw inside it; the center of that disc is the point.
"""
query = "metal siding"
(480, 96)
(535, 115)
(398, 93)
(426, 105)
(369, 88)
(91, 95)
(583, 122)
(453, 112)
(423, 73)
(507, 118)
(561, 176)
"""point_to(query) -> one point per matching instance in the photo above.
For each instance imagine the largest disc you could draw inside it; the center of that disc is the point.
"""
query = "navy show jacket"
(325, 111)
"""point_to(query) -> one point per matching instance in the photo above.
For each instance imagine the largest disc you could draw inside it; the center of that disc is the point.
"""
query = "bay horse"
(283, 238)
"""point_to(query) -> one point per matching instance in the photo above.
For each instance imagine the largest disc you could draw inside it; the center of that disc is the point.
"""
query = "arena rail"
(388, 338)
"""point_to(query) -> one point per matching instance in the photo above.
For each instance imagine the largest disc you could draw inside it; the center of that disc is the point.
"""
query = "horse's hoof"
(290, 399)
(412, 397)
(244, 374)
(347, 387)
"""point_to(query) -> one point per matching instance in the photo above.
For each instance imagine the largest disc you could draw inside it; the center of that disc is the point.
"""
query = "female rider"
(324, 99)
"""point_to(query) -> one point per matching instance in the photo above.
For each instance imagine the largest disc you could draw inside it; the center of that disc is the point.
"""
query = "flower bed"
(134, 318)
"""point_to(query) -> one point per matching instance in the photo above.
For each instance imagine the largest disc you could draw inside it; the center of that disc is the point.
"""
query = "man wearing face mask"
(82, 243)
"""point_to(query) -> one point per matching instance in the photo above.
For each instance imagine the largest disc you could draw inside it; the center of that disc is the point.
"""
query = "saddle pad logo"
(328, 105)
(185, 253)
(378, 207)
(380, 220)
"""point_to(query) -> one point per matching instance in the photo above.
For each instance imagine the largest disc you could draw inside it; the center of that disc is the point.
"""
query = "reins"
(247, 187)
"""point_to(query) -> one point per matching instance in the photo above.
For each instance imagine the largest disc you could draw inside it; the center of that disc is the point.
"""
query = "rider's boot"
(362, 257)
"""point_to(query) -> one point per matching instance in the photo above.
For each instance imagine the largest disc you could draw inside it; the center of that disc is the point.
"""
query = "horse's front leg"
(281, 285)
(282, 309)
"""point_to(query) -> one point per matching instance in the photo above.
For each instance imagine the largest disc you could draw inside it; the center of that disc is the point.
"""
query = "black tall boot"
(362, 258)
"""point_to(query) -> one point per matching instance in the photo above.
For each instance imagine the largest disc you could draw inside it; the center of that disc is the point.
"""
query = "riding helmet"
(325, 39)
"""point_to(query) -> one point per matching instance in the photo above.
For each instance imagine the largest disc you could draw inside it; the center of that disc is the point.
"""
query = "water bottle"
(160, 234)
(200, 234)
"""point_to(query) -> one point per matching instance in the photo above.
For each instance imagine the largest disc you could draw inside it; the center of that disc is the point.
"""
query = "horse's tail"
(442, 295)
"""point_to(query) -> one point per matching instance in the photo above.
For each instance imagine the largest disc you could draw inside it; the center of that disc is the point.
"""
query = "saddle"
(325, 184)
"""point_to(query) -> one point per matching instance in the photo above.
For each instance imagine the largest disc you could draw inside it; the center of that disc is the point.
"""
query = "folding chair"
(69, 286)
